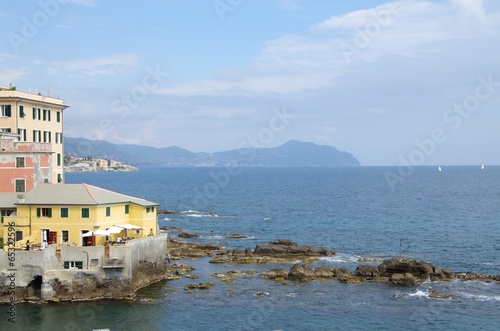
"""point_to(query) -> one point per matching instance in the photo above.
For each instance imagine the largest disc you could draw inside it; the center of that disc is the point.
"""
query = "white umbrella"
(97, 232)
(114, 229)
(130, 227)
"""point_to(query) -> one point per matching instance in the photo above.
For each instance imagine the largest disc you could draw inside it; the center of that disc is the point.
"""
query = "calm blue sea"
(449, 218)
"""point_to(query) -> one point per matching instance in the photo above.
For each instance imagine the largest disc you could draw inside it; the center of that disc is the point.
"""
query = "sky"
(394, 83)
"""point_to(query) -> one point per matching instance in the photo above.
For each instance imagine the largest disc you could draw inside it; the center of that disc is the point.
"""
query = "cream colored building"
(38, 119)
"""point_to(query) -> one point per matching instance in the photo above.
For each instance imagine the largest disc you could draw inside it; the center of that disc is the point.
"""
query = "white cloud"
(11, 75)
(96, 66)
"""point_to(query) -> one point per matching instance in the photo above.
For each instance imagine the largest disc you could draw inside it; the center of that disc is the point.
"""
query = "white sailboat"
(482, 166)
(439, 168)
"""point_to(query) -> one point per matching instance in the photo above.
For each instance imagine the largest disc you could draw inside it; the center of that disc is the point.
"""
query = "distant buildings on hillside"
(75, 164)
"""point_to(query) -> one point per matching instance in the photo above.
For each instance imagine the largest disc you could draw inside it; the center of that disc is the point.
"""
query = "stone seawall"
(41, 276)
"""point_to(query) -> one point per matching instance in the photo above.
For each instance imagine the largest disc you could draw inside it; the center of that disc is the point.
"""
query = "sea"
(450, 218)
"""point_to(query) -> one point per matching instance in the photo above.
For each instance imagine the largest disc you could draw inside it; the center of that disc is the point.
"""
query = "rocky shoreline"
(395, 271)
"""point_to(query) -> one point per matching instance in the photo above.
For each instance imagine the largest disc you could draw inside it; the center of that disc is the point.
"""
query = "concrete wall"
(47, 264)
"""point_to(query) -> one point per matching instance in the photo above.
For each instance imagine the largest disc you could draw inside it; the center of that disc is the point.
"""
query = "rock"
(228, 280)
(187, 235)
(367, 272)
(283, 242)
(180, 250)
(442, 296)
(323, 272)
(343, 275)
(266, 249)
(235, 236)
(274, 274)
(301, 272)
(201, 286)
(404, 279)
(170, 229)
(419, 269)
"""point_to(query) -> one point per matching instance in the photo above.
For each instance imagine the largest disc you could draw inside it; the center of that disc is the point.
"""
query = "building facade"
(69, 214)
(38, 119)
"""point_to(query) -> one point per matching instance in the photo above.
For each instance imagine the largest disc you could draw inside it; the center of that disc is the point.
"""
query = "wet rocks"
(187, 235)
(301, 272)
(235, 236)
(201, 286)
(180, 250)
(273, 252)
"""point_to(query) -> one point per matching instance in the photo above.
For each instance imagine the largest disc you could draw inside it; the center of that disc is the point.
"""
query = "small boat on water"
(439, 168)
(482, 167)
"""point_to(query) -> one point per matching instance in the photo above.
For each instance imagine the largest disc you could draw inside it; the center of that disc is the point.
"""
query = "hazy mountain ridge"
(294, 153)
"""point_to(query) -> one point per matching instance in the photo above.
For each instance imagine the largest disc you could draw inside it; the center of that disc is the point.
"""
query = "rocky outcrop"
(187, 235)
(273, 252)
(235, 236)
(393, 271)
(301, 272)
(181, 250)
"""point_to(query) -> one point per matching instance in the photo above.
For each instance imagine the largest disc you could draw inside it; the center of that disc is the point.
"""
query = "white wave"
(419, 294)
(480, 297)
(211, 215)
(212, 237)
(292, 295)
(340, 258)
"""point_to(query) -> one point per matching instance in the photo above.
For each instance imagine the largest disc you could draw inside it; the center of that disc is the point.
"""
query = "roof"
(8, 200)
(77, 194)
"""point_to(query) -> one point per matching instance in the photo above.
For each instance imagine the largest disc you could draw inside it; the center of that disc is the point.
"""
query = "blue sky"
(415, 82)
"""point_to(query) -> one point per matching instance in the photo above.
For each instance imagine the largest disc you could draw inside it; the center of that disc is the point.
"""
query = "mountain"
(294, 153)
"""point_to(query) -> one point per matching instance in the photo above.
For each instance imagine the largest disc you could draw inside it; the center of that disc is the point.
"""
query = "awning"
(130, 227)
(97, 232)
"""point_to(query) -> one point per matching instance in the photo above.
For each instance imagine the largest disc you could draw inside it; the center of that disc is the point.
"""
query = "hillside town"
(87, 164)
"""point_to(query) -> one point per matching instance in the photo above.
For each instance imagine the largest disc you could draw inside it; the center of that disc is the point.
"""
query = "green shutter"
(79, 265)
(38, 212)
(7, 111)
(49, 212)
(66, 264)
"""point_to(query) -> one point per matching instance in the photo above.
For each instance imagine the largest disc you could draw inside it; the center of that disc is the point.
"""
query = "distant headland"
(294, 153)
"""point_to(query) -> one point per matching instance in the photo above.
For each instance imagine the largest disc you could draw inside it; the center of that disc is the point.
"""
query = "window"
(22, 134)
(64, 213)
(127, 207)
(85, 213)
(108, 211)
(59, 137)
(59, 178)
(73, 265)
(19, 235)
(5, 130)
(37, 136)
(46, 115)
(58, 117)
(65, 235)
(58, 159)
(5, 111)
(47, 136)
(20, 162)
(44, 212)
(20, 185)
(21, 111)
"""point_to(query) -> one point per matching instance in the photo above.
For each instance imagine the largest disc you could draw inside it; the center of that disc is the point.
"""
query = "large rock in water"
(408, 271)
(286, 248)
(301, 272)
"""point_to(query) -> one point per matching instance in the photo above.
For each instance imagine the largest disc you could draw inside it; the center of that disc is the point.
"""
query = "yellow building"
(69, 214)
(35, 118)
